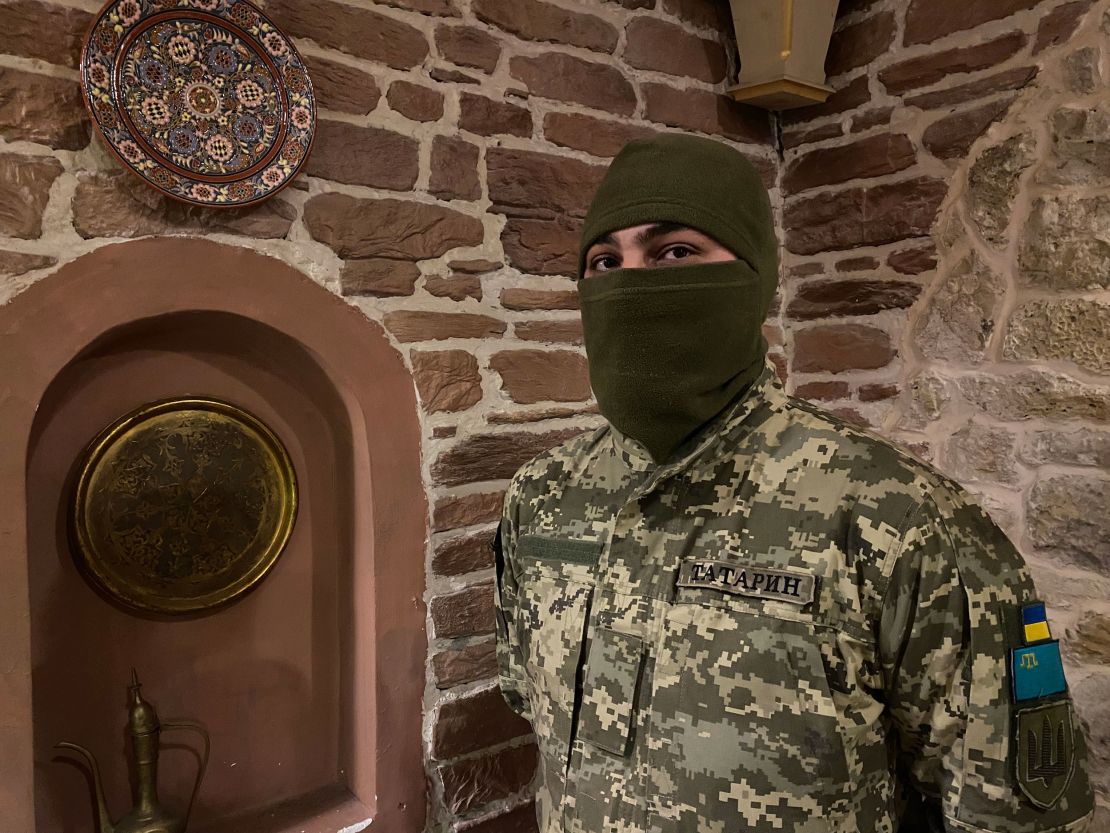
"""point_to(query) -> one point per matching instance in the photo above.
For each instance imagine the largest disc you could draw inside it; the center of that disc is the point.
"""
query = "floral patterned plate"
(204, 99)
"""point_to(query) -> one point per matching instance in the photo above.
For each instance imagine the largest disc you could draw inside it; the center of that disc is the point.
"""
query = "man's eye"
(676, 252)
(602, 263)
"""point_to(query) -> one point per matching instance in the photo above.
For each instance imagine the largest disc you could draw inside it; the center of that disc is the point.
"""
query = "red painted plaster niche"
(311, 684)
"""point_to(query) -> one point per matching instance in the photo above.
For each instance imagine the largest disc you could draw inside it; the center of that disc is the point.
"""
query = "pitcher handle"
(200, 730)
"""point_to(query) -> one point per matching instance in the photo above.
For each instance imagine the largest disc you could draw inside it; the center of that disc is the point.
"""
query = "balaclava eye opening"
(670, 347)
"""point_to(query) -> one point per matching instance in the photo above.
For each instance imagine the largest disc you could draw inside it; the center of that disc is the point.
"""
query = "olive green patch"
(560, 549)
(1045, 752)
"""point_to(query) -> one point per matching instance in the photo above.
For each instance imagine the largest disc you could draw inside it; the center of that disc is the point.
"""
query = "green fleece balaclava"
(670, 347)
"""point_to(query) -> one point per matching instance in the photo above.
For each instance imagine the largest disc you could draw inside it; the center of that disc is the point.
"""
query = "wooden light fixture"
(782, 51)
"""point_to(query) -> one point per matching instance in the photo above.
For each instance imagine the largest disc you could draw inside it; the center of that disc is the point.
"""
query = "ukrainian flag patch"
(1038, 671)
(1035, 622)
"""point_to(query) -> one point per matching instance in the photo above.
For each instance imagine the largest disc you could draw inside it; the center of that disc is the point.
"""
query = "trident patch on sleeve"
(1045, 752)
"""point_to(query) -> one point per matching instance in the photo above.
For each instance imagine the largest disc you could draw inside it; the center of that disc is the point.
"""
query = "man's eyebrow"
(605, 240)
(657, 230)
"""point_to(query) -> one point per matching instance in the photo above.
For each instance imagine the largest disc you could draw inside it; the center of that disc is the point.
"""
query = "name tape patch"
(790, 586)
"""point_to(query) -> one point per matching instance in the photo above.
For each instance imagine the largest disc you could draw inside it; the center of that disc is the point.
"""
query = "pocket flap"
(609, 690)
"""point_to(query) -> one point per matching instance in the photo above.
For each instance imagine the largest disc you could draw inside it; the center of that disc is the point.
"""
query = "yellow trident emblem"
(1029, 660)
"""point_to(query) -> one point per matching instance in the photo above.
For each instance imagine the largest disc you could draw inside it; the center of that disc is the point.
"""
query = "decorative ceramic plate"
(182, 505)
(204, 99)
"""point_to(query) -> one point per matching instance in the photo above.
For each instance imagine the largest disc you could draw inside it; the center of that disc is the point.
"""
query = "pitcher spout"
(106, 825)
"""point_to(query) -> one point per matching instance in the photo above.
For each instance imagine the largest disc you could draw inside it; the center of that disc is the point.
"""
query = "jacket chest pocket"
(553, 609)
(744, 724)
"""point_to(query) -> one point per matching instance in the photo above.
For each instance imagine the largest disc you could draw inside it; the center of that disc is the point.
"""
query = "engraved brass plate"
(183, 505)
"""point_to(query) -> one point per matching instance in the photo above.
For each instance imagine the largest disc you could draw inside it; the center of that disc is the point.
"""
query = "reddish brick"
(877, 391)
(601, 137)
(542, 246)
(871, 118)
(454, 169)
(356, 31)
(657, 45)
(43, 109)
(414, 101)
(379, 277)
(857, 264)
(531, 376)
(341, 87)
(863, 216)
(457, 288)
(833, 348)
(706, 14)
(859, 44)
(928, 69)
(482, 457)
(953, 136)
(459, 556)
(566, 332)
(1059, 24)
(417, 325)
(477, 781)
(913, 261)
(468, 46)
(475, 722)
(360, 228)
(447, 380)
(851, 416)
(539, 21)
(1011, 79)
(432, 7)
(24, 191)
(522, 181)
(13, 264)
(457, 666)
(793, 138)
(522, 819)
(848, 96)
(466, 612)
(874, 156)
(488, 117)
(456, 511)
(826, 299)
(473, 266)
(49, 32)
(364, 156)
(705, 112)
(531, 299)
(567, 78)
(518, 417)
(928, 20)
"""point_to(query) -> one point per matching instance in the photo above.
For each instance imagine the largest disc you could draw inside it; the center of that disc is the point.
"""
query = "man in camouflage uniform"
(727, 610)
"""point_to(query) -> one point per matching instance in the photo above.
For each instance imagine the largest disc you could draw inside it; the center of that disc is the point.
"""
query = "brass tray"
(182, 505)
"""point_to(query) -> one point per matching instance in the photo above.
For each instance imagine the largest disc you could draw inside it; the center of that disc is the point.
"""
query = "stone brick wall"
(459, 142)
(944, 274)
(946, 222)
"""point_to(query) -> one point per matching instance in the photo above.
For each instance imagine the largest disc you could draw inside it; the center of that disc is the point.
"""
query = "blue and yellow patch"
(1034, 620)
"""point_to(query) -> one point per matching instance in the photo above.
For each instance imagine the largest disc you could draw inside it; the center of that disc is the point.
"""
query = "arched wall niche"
(312, 683)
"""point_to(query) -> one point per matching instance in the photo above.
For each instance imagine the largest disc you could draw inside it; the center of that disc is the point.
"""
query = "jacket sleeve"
(510, 657)
(951, 618)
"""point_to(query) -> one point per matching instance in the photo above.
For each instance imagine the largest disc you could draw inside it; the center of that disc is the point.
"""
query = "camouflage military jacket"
(790, 627)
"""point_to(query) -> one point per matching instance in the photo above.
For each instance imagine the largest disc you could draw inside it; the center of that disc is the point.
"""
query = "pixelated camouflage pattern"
(662, 708)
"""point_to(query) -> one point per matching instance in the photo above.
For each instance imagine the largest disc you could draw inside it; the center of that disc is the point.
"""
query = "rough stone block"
(526, 182)
(568, 78)
(479, 781)
(992, 185)
(952, 136)
(341, 87)
(468, 46)
(654, 44)
(1032, 394)
(539, 21)
(828, 299)
(447, 380)
(1066, 243)
(467, 612)
(983, 453)
(1080, 147)
(958, 323)
(379, 277)
(454, 169)
(482, 457)
(1075, 447)
(1071, 329)
(542, 247)
(474, 722)
(1070, 514)
(420, 325)
(24, 191)
(415, 101)
(928, 396)
(531, 376)
(456, 511)
(356, 31)
(1081, 71)
(457, 666)
(43, 109)
(364, 156)
(49, 32)
(834, 348)
(488, 117)
(361, 228)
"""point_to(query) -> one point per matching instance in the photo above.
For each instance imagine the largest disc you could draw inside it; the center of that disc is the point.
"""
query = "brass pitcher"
(147, 816)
